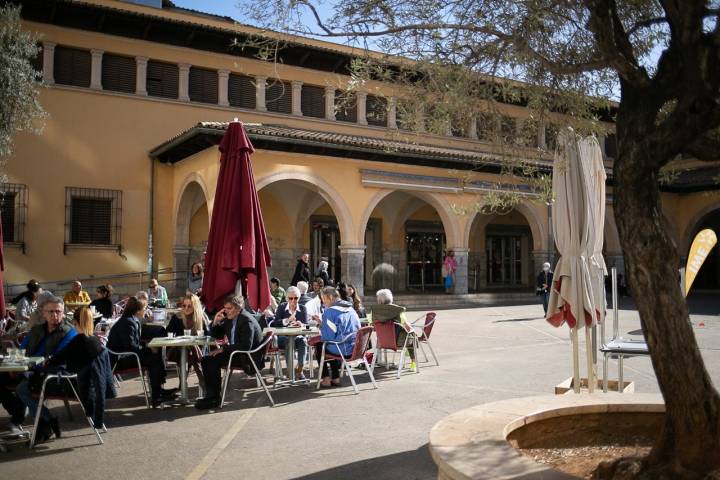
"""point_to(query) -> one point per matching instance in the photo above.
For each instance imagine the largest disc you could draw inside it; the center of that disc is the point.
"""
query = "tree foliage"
(19, 81)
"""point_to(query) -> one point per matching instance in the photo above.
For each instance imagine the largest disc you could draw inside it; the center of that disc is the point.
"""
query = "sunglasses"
(293, 298)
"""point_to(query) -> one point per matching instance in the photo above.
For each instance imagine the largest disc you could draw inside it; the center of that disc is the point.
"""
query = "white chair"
(140, 370)
(258, 375)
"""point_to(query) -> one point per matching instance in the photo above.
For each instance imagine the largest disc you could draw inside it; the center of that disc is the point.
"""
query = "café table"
(292, 332)
(16, 366)
(183, 343)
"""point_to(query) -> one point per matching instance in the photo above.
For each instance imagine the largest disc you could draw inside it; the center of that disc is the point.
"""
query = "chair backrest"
(362, 339)
(385, 335)
(429, 322)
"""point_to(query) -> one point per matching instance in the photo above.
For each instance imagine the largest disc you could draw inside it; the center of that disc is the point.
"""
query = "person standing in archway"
(302, 270)
(544, 284)
(448, 271)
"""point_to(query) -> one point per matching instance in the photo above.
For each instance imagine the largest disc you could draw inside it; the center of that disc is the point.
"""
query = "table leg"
(291, 358)
(183, 373)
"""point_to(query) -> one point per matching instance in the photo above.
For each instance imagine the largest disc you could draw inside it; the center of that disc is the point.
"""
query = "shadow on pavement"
(410, 465)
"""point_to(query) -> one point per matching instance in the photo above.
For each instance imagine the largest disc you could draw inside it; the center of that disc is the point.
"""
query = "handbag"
(448, 281)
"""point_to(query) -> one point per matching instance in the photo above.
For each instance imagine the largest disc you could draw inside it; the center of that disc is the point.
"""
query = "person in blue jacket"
(338, 321)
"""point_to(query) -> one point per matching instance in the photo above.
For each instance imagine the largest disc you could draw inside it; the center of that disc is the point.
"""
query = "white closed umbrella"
(572, 297)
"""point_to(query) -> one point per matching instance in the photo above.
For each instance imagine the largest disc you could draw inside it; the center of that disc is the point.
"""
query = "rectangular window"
(241, 91)
(376, 111)
(345, 106)
(72, 66)
(278, 97)
(551, 136)
(13, 208)
(162, 79)
(92, 217)
(312, 101)
(118, 73)
(203, 85)
(37, 60)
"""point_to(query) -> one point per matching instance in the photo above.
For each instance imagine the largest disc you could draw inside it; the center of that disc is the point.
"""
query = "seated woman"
(292, 314)
(191, 317)
(102, 303)
(26, 303)
(195, 279)
(338, 321)
(386, 311)
(355, 299)
(125, 337)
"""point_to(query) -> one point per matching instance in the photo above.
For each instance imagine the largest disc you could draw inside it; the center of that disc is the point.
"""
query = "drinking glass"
(187, 332)
(21, 354)
(170, 334)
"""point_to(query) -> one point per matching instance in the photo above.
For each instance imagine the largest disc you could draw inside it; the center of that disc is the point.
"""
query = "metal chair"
(69, 378)
(424, 337)
(360, 346)
(139, 369)
(258, 375)
(386, 339)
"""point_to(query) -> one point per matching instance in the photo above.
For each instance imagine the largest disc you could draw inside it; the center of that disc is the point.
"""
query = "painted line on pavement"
(221, 445)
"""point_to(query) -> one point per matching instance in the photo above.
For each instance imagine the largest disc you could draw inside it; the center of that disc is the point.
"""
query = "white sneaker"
(16, 430)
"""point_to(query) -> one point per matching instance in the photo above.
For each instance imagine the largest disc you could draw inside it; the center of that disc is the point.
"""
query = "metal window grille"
(93, 217)
(13, 210)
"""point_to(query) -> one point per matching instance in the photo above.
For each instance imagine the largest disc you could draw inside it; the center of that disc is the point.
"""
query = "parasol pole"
(576, 360)
(590, 363)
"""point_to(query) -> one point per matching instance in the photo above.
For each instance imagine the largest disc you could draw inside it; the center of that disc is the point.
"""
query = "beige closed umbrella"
(572, 297)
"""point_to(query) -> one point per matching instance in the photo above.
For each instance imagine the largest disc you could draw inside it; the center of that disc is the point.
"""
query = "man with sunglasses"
(292, 314)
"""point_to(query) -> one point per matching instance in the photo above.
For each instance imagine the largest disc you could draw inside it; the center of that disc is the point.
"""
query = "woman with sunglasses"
(191, 317)
(292, 314)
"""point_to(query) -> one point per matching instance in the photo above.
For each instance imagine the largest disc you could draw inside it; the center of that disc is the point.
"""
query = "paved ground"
(486, 354)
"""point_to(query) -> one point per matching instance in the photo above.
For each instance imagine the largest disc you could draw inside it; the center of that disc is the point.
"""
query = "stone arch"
(325, 190)
(193, 195)
(539, 234)
(692, 227)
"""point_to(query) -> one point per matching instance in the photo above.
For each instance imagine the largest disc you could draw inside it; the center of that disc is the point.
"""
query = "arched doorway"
(708, 278)
(192, 224)
(501, 251)
(406, 236)
(301, 217)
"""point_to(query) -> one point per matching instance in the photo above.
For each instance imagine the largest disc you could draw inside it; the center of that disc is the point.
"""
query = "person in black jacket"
(302, 271)
(125, 337)
(544, 284)
(243, 333)
(102, 303)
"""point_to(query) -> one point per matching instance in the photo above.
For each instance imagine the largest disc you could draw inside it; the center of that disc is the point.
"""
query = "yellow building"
(122, 179)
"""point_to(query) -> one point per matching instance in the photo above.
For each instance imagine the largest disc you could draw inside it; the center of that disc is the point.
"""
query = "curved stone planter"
(471, 443)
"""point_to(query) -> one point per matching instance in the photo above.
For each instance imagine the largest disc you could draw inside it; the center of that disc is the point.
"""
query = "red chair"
(424, 337)
(264, 347)
(386, 339)
(360, 346)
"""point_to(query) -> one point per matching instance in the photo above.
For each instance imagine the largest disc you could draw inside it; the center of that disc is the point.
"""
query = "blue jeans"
(546, 299)
(24, 394)
(299, 348)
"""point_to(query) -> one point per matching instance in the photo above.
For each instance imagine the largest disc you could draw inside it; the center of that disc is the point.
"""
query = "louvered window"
(312, 101)
(13, 208)
(72, 66)
(241, 91)
(37, 60)
(118, 73)
(376, 111)
(92, 217)
(162, 79)
(203, 85)
(278, 97)
(345, 106)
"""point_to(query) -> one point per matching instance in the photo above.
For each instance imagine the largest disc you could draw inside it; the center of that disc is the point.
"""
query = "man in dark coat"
(243, 333)
(302, 270)
(544, 284)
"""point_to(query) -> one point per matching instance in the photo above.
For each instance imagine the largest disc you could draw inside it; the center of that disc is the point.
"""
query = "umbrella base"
(567, 386)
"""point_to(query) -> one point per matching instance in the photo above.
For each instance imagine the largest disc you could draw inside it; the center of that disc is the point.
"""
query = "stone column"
(96, 69)
(472, 128)
(392, 113)
(184, 82)
(352, 258)
(361, 108)
(223, 76)
(297, 98)
(141, 76)
(329, 103)
(49, 63)
(260, 84)
(461, 273)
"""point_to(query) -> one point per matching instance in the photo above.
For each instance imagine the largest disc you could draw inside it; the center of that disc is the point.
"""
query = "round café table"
(292, 332)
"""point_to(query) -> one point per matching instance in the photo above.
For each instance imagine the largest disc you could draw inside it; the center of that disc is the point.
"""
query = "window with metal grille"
(312, 101)
(92, 217)
(162, 79)
(241, 91)
(118, 73)
(13, 208)
(72, 66)
(376, 111)
(278, 97)
(203, 85)
(345, 106)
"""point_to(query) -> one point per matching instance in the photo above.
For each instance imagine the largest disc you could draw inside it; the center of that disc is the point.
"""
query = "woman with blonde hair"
(191, 317)
(83, 321)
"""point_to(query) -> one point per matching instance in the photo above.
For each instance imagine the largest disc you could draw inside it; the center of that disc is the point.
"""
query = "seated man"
(76, 296)
(125, 337)
(386, 311)
(291, 314)
(45, 340)
(243, 333)
(157, 294)
(277, 292)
